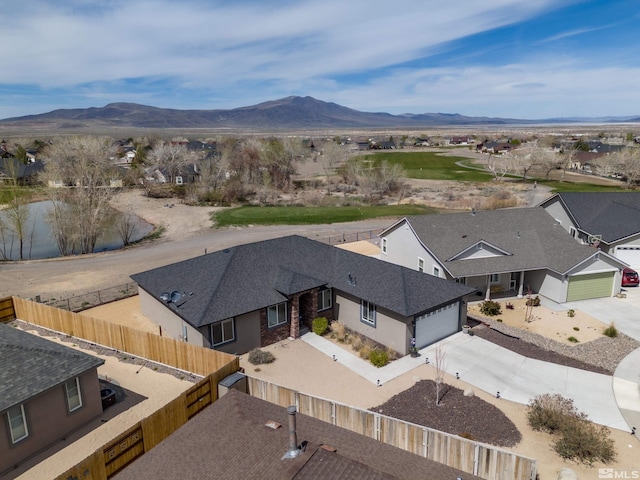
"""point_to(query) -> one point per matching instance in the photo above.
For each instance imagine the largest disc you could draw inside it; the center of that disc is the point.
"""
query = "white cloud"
(227, 54)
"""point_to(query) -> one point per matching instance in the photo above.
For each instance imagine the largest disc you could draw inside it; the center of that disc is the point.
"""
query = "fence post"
(68, 304)
(99, 299)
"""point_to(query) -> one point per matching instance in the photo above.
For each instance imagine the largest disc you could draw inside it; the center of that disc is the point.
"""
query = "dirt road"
(188, 233)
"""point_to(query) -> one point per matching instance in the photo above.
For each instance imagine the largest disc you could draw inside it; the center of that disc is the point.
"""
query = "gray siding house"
(47, 391)
(609, 221)
(502, 251)
(256, 294)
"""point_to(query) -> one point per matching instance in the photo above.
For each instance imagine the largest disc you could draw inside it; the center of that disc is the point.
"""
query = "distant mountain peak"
(290, 112)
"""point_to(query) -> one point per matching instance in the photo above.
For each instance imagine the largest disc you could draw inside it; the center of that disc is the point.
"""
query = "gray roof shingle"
(614, 215)
(249, 277)
(31, 365)
(531, 237)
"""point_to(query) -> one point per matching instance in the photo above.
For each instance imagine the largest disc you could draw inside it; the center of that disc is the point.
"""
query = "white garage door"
(630, 255)
(437, 325)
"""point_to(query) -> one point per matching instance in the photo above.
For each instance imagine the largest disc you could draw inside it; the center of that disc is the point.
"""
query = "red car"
(630, 278)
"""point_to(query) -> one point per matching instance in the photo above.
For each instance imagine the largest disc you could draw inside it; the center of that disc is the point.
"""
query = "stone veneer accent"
(272, 335)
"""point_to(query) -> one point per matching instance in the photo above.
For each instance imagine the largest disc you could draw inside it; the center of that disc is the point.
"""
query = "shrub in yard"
(548, 412)
(611, 331)
(378, 357)
(490, 308)
(320, 325)
(585, 442)
(578, 439)
(573, 339)
(366, 348)
(571, 313)
(338, 331)
(533, 302)
(258, 357)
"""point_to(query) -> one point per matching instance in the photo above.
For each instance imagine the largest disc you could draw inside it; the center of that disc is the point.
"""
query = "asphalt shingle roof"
(31, 365)
(229, 440)
(531, 237)
(614, 215)
(249, 277)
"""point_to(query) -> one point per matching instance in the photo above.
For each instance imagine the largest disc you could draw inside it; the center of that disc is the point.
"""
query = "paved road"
(62, 278)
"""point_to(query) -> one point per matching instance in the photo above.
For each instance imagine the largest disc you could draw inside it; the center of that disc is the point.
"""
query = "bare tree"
(627, 163)
(15, 219)
(525, 158)
(438, 364)
(80, 210)
(498, 166)
(332, 156)
(126, 224)
(169, 158)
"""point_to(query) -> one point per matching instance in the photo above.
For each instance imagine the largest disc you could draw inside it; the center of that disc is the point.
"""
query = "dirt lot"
(543, 321)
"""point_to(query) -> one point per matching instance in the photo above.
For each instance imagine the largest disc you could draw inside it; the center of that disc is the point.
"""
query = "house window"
(368, 313)
(436, 271)
(17, 423)
(277, 314)
(324, 299)
(74, 397)
(223, 332)
(420, 264)
(179, 180)
(495, 278)
(384, 246)
(572, 232)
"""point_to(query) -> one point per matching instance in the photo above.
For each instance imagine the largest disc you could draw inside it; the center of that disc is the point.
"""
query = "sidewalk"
(626, 388)
(494, 369)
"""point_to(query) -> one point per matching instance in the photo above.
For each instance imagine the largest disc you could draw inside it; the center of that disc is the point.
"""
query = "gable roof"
(31, 365)
(614, 215)
(249, 277)
(234, 428)
(531, 237)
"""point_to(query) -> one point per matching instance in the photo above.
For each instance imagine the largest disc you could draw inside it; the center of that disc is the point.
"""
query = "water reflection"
(39, 242)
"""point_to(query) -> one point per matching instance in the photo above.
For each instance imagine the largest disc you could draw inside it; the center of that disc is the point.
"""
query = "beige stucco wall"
(390, 330)
(404, 248)
(172, 325)
(247, 334)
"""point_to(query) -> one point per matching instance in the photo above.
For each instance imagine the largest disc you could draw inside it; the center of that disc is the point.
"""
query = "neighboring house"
(25, 174)
(188, 173)
(47, 391)
(608, 220)
(512, 250)
(240, 436)
(253, 295)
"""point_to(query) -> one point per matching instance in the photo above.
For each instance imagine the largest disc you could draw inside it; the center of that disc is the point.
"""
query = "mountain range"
(287, 113)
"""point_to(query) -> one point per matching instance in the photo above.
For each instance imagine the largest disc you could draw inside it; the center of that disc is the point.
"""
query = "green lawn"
(431, 166)
(557, 186)
(311, 215)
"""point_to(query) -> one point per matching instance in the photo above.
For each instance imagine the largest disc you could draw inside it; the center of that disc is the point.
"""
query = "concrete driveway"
(494, 369)
(624, 312)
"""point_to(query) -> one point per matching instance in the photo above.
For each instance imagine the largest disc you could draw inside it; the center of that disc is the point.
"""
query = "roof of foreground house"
(249, 277)
(614, 215)
(523, 239)
(230, 439)
(31, 365)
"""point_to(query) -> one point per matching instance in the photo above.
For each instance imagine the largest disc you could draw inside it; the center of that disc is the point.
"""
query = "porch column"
(487, 295)
(295, 316)
(521, 286)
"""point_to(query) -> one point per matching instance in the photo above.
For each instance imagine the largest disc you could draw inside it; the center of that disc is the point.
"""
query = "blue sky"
(509, 58)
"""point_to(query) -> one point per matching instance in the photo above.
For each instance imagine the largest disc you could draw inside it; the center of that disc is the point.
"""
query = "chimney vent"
(293, 451)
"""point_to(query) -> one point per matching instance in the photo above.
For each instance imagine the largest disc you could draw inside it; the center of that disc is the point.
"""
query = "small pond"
(39, 242)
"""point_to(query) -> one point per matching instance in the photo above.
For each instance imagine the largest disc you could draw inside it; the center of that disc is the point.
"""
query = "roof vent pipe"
(293, 451)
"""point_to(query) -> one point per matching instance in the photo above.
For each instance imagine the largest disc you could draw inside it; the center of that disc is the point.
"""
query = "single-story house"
(513, 250)
(47, 391)
(240, 437)
(608, 220)
(256, 294)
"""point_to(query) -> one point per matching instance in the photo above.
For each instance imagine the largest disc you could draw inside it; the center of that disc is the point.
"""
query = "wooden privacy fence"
(472, 457)
(184, 356)
(115, 455)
